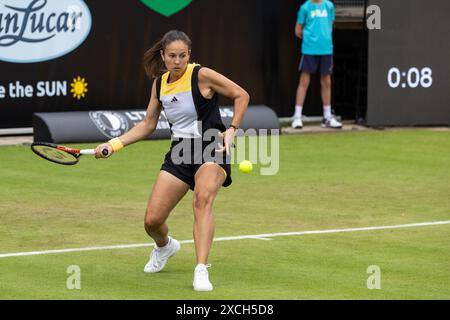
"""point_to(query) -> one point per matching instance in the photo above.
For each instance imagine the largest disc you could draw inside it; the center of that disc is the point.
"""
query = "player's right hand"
(103, 150)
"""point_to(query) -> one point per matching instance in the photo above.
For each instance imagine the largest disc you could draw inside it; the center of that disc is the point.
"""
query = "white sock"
(170, 239)
(298, 111)
(327, 112)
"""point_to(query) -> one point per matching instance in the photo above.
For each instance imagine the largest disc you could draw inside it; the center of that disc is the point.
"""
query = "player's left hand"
(228, 138)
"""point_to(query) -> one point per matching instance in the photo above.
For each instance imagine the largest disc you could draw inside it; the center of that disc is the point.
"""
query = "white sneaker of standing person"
(160, 255)
(332, 123)
(297, 123)
(201, 278)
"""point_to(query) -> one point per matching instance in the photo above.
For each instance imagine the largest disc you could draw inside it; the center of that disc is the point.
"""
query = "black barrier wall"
(409, 68)
(94, 126)
(95, 55)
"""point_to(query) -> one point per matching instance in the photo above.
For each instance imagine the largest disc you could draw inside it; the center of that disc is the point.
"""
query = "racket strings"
(55, 154)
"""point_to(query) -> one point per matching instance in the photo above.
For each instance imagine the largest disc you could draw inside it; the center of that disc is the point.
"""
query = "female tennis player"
(188, 94)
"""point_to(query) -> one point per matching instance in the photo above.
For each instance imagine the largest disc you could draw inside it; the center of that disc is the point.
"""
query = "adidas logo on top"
(174, 99)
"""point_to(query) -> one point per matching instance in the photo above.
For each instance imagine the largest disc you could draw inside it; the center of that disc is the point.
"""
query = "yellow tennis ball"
(246, 166)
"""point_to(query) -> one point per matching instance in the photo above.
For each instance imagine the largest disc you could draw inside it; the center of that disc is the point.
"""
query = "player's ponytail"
(153, 64)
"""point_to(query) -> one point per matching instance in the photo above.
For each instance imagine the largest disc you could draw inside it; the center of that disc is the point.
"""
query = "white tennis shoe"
(331, 123)
(159, 256)
(297, 123)
(201, 278)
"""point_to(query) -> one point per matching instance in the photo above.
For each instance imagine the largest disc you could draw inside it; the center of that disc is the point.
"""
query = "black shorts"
(186, 156)
(316, 64)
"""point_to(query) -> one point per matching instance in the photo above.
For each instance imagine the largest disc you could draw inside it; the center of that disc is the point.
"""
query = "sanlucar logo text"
(41, 30)
(165, 7)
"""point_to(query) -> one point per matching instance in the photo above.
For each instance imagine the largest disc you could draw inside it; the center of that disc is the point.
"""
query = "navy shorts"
(316, 64)
(185, 168)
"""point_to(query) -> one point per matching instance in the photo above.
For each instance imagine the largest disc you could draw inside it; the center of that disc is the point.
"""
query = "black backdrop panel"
(251, 42)
(409, 66)
(79, 126)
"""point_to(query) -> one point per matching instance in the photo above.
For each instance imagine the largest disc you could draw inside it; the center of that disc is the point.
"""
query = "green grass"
(325, 181)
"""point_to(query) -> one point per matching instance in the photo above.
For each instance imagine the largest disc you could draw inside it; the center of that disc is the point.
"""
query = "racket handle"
(105, 152)
(87, 151)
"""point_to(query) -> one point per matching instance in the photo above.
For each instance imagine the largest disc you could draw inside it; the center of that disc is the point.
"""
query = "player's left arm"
(216, 82)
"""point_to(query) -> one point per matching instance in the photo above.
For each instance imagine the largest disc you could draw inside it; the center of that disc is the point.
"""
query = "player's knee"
(304, 82)
(325, 82)
(152, 222)
(203, 200)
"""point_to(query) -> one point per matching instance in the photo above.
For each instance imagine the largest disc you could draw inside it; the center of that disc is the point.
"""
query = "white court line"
(257, 236)
(261, 238)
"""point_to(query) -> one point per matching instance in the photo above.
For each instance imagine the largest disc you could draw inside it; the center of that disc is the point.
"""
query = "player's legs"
(326, 69)
(325, 83)
(308, 65)
(305, 79)
(302, 89)
(208, 180)
(167, 192)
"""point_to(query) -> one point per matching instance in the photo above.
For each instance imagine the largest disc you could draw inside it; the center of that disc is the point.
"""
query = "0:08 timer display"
(412, 78)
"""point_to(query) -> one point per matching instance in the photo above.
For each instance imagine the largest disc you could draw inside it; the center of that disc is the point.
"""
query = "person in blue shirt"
(315, 27)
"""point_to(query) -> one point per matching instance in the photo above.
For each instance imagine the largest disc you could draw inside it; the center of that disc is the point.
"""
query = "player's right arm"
(299, 30)
(301, 21)
(142, 130)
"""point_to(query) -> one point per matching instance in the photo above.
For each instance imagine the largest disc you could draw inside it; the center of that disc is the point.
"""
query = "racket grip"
(87, 151)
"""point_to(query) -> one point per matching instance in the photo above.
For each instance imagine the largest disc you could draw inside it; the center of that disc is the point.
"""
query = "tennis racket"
(61, 154)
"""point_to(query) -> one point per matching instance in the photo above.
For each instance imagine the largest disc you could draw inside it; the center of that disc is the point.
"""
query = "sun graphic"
(79, 87)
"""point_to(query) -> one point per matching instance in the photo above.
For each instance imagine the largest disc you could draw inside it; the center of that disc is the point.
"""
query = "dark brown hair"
(153, 63)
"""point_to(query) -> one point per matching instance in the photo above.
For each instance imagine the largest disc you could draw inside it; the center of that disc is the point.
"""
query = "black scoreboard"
(409, 64)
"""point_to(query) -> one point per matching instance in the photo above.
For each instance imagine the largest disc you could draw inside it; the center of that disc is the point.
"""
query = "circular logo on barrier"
(111, 124)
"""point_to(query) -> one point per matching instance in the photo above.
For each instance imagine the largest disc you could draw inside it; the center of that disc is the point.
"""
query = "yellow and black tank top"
(189, 114)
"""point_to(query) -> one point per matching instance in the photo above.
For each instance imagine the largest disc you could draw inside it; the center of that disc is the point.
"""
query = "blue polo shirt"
(317, 21)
